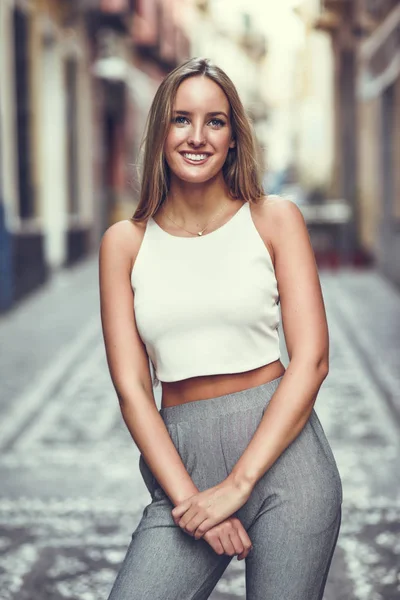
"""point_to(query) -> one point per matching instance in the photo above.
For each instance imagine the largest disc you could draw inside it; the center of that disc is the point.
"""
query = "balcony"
(328, 21)
(116, 7)
(254, 43)
(377, 10)
(145, 25)
(157, 33)
(339, 14)
(121, 7)
(116, 14)
(337, 5)
(202, 5)
(257, 108)
(380, 54)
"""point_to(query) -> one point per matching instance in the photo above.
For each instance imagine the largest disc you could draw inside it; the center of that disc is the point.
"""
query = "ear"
(233, 143)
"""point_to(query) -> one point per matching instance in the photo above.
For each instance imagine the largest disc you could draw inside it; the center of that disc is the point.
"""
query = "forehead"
(200, 92)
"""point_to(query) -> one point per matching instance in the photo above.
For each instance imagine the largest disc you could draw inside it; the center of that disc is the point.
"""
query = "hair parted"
(241, 170)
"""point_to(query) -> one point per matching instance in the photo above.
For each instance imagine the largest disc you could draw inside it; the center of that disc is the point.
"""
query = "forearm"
(154, 442)
(283, 420)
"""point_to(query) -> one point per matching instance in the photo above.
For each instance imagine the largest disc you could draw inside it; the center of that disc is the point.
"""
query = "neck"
(191, 201)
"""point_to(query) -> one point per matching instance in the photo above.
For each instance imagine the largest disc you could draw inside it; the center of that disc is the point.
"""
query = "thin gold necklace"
(197, 232)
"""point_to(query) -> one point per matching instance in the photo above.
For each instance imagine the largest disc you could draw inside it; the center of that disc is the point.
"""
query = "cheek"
(174, 139)
(221, 140)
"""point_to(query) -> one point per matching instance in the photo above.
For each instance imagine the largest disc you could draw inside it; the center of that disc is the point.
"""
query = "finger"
(180, 510)
(227, 544)
(246, 541)
(186, 518)
(215, 543)
(208, 524)
(236, 542)
(202, 529)
(244, 536)
(192, 525)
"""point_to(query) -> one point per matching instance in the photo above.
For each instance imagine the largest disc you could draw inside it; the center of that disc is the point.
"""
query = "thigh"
(296, 524)
(165, 563)
(288, 563)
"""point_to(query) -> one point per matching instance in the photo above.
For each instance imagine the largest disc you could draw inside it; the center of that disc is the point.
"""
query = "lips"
(195, 158)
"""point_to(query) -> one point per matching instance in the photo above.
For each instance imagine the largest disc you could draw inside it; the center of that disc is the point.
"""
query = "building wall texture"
(365, 42)
(77, 80)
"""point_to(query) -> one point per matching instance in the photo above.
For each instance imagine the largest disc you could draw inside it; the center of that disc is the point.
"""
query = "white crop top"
(206, 305)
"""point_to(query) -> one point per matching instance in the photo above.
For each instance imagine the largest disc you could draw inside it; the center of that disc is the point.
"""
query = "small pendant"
(199, 233)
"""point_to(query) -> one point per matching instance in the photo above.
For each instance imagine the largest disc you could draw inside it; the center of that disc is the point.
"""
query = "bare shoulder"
(279, 212)
(276, 218)
(123, 239)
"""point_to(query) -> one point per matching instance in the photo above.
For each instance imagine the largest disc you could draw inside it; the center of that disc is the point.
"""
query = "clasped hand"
(199, 513)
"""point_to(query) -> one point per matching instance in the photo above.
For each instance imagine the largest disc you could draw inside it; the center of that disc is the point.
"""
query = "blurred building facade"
(234, 40)
(78, 77)
(77, 80)
(365, 38)
(313, 105)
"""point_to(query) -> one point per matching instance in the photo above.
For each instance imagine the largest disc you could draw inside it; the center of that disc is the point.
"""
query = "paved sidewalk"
(42, 339)
(71, 492)
(369, 307)
(41, 326)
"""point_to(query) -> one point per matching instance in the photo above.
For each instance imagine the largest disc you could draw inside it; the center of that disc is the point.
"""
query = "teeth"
(195, 156)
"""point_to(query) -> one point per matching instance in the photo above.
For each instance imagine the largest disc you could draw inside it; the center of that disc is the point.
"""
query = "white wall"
(295, 79)
(7, 114)
(85, 132)
(274, 78)
(315, 125)
(52, 146)
(217, 36)
(55, 46)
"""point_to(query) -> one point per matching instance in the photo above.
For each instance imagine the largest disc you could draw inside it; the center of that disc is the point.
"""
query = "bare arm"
(303, 315)
(129, 369)
(129, 365)
(307, 339)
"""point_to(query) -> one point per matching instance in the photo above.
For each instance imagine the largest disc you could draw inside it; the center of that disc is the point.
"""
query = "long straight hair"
(241, 170)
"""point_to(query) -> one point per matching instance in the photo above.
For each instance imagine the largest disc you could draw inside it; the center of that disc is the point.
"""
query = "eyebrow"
(209, 114)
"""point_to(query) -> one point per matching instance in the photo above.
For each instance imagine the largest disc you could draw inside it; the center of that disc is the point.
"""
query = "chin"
(202, 176)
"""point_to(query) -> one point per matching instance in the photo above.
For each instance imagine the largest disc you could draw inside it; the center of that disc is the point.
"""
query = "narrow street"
(71, 493)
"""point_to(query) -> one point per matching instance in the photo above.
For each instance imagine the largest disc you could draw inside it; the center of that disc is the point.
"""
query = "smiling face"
(200, 133)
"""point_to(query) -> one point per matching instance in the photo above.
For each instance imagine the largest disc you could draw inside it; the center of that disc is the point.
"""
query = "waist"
(212, 386)
(211, 408)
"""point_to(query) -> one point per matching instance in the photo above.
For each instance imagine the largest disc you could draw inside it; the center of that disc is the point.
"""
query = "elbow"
(316, 364)
(323, 368)
(123, 400)
(122, 390)
(321, 365)
(131, 392)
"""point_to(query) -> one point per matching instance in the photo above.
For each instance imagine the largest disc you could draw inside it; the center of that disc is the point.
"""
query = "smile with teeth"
(194, 157)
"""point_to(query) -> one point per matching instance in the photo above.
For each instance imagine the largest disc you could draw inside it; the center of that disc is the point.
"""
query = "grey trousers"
(292, 516)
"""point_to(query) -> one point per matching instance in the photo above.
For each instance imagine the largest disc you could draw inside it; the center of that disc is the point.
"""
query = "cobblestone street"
(71, 493)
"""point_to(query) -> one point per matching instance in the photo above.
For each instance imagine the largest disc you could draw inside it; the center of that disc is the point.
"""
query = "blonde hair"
(241, 171)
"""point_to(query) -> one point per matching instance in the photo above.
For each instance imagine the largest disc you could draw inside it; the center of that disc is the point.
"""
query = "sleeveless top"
(206, 305)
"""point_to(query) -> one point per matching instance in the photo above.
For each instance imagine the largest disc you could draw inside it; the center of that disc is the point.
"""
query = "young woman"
(236, 461)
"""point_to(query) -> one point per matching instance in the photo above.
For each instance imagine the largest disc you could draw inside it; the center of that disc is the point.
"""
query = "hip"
(211, 435)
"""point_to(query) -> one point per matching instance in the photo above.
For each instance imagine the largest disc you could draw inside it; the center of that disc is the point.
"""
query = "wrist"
(242, 481)
(184, 494)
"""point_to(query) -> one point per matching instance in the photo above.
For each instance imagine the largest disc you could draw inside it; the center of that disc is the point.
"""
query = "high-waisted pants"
(292, 516)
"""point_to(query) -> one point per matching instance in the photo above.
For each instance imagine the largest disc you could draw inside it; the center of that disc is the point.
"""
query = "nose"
(196, 137)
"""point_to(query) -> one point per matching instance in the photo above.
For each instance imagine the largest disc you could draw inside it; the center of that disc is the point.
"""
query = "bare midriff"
(212, 386)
